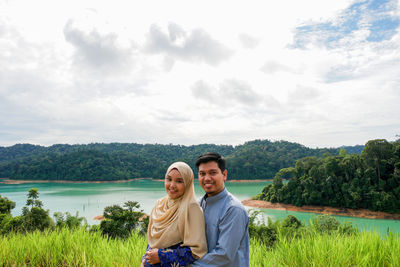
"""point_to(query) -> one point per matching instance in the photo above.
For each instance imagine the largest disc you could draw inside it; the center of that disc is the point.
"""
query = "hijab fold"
(173, 221)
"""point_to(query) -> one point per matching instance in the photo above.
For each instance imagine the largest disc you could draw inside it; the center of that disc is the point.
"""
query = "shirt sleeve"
(232, 229)
(181, 255)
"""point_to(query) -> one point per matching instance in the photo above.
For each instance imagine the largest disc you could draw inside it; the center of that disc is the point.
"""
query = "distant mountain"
(357, 149)
(258, 159)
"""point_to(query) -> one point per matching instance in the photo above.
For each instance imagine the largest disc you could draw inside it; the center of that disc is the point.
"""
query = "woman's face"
(174, 184)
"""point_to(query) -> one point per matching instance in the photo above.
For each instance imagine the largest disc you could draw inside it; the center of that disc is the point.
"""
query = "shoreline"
(15, 181)
(249, 181)
(361, 213)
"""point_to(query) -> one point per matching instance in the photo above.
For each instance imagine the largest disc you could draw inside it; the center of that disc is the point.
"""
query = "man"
(226, 219)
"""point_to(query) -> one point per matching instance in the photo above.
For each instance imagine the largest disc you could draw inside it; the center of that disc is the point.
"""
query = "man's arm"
(232, 229)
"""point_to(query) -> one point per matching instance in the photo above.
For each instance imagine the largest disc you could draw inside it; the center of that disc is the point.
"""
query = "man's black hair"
(212, 156)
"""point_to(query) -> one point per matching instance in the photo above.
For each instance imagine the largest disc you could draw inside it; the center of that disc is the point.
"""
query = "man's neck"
(213, 195)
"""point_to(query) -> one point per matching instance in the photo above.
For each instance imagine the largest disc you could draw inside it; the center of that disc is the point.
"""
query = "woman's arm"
(181, 255)
(175, 254)
(151, 256)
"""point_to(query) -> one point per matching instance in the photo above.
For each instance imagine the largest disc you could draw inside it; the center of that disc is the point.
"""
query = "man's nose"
(207, 177)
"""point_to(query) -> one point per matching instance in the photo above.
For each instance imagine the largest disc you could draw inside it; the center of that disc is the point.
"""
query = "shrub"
(120, 222)
(325, 223)
(267, 234)
(68, 220)
(6, 205)
(291, 221)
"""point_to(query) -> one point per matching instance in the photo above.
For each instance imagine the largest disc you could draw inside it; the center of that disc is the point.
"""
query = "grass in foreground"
(363, 249)
(81, 248)
(70, 248)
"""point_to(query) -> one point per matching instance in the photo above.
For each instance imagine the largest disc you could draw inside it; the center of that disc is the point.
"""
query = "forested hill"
(370, 180)
(258, 159)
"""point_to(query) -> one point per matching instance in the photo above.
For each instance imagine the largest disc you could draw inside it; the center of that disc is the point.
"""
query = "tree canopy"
(258, 159)
(370, 180)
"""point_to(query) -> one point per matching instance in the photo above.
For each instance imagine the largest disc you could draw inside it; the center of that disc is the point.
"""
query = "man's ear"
(225, 173)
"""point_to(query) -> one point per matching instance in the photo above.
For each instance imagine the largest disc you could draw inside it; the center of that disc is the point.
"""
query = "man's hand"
(152, 256)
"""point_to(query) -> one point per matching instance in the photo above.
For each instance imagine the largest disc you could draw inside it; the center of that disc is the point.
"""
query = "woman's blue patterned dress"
(172, 256)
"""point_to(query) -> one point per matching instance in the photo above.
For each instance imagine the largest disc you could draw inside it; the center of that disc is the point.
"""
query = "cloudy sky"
(319, 73)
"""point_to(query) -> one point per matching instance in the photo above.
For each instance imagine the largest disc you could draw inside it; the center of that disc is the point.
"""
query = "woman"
(176, 233)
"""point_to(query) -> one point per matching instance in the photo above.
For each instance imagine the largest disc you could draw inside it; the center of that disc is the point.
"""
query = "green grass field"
(82, 248)
(364, 249)
(70, 248)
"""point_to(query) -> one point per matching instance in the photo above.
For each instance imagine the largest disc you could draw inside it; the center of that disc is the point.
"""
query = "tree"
(342, 152)
(33, 198)
(120, 222)
(6, 205)
(376, 152)
(35, 218)
(68, 220)
(286, 173)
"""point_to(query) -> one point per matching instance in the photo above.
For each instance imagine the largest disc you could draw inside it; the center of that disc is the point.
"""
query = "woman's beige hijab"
(178, 220)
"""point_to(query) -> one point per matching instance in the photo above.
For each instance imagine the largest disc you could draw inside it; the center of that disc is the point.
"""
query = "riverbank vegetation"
(368, 181)
(258, 159)
(289, 242)
(78, 247)
(118, 221)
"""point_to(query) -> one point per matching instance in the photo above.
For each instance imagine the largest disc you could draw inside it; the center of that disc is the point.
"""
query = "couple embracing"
(183, 232)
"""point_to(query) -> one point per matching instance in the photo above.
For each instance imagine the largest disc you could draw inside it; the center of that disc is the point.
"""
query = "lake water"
(90, 199)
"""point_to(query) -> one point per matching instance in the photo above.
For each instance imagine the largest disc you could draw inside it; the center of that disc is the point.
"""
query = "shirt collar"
(217, 197)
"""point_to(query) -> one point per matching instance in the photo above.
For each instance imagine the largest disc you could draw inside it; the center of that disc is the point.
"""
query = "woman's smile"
(174, 184)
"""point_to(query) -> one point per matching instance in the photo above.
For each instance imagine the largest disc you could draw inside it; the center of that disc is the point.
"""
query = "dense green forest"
(370, 180)
(258, 159)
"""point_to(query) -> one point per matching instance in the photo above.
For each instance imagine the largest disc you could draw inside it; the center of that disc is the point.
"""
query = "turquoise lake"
(90, 199)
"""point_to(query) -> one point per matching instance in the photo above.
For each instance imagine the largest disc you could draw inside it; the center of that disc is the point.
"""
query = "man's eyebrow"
(209, 170)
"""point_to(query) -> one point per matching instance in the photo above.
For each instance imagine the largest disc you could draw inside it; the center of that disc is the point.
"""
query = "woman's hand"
(152, 256)
(142, 264)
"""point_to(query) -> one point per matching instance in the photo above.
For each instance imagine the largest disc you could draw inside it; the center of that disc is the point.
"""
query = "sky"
(318, 73)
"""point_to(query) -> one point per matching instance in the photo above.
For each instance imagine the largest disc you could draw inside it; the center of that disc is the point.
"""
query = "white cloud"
(315, 72)
(248, 41)
(271, 67)
(230, 93)
(196, 46)
(96, 51)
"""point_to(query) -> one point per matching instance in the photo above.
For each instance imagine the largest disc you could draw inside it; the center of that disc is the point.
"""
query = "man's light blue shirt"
(227, 232)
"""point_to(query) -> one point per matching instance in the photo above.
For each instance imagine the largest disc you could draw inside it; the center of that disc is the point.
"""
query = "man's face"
(211, 179)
